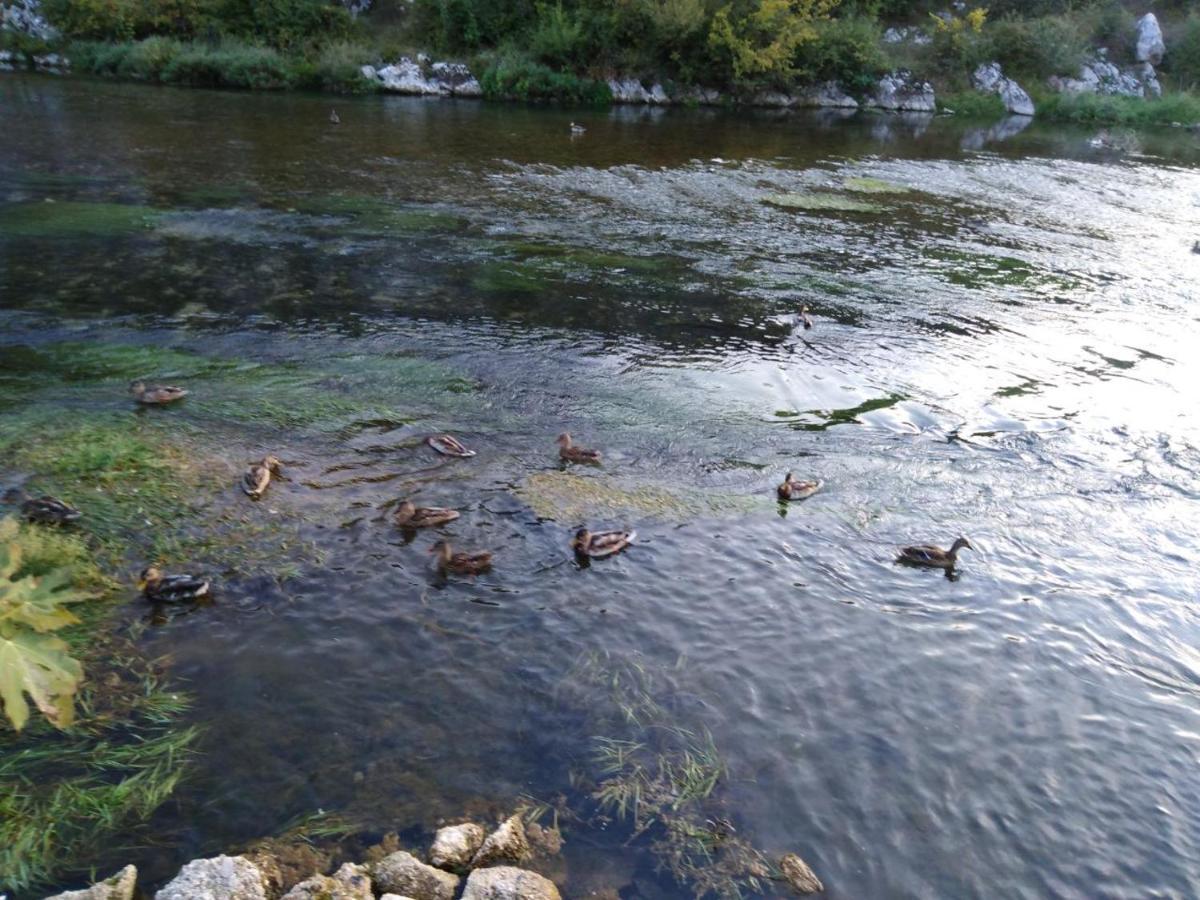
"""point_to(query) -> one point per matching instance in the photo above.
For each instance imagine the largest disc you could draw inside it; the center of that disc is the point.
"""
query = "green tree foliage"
(760, 38)
(33, 661)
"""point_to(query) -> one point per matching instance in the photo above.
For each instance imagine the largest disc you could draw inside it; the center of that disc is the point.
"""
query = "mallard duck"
(461, 563)
(569, 452)
(933, 557)
(448, 445)
(171, 588)
(258, 477)
(45, 509)
(577, 129)
(410, 516)
(805, 318)
(1196, 247)
(156, 394)
(334, 118)
(794, 489)
(601, 543)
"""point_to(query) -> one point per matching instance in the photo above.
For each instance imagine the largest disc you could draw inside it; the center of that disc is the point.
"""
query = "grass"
(972, 105)
(1171, 108)
(820, 202)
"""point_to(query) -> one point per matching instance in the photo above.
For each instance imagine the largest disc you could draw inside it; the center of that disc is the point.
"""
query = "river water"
(1005, 347)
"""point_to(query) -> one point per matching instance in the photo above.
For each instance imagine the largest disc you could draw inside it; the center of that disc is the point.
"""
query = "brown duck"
(932, 557)
(448, 445)
(409, 515)
(449, 562)
(156, 394)
(570, 453)
(601, 543)
(258, 477)
(794, 489)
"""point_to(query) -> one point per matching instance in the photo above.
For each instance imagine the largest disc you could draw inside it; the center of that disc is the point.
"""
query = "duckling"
(461, 563)
(577, 129)
(805, 318)
(794, 489)
(932, 557)
(258, 477)
(334, 118)
(156, 394)
(45, 509)
(171, 588)
(410, 516)
(448, 445)
(602, 543)
(569, 452)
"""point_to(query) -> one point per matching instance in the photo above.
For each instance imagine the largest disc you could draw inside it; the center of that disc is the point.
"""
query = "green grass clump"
(972, 105)
(63, 218)
(865, 185)
(1113, 110)
(520, 79)
(820, 202)
(229, 65)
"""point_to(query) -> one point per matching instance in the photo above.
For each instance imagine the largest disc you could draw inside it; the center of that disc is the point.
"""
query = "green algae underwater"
(997, 353)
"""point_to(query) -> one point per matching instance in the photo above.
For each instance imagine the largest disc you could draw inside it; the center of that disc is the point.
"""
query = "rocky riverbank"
(515, 861)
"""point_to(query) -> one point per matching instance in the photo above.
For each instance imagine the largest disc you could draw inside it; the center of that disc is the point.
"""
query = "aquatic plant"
(820, 202)
(866, 185)
(568, 497)
(73, 218)
(32, 661)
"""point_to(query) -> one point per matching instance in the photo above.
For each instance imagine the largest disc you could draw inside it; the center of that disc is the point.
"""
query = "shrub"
(510, 79)
(283, 24)
(338, 67)
(557, 37)
(146, 60)
(1183, 54)
(846, 50)
(123, 20)
(228, 66)
(760, 38)
(1116, 110)
(957, 41)
(1037, 47)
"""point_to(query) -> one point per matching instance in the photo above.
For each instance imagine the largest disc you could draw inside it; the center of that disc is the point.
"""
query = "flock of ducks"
(257, 479)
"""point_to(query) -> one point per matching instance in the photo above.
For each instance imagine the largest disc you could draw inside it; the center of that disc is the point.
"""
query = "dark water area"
(1006, 347)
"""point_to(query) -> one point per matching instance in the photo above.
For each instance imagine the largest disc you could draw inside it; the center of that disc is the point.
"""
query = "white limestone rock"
(218, 878)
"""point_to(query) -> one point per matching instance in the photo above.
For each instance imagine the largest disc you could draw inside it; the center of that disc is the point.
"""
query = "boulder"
(908, 34)
(1099, 76)
(773, 99)
(700, 95)
(455, 845)
(628, 90)
(25, 17)
(506, 844)
(116, 887)
(402, 873)
(544, 841)
(799, 876)
(828, 95)
(394, 897)
(7, 61)
(218, 878)
(423, 78)
(455, 79)
(1150, 47)
(1149, 78)
(350, 882)
(899, 91)
(989, 79)
(509, 883)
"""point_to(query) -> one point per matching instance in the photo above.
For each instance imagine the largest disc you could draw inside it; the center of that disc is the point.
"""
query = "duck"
(461, 563)
(577, 129)
(45, 509)
(805, 318)
(601, 543)
(1196, 247)
(334, 118)
(448, 445)
(156, 394)
(794, 489)
(409, 515)
(570, 453)
(171, 588)
(932, 557)
(258, 477)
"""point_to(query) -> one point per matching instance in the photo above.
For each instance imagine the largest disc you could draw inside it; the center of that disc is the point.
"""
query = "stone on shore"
(116, 887)
(1150, 47)
(509, 883)
(989, 79)
(350, 882)
(506, 844)
(218, 878)
(455, 845)
(402, 873)
(799, 876)
(901, 92)
(828, 95)
(423, 78)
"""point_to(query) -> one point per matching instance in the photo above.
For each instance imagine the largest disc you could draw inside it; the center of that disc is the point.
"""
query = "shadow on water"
(335, 296)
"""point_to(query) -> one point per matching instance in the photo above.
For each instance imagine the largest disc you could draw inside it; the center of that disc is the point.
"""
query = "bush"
(1037, 47)
(557, 37)
(846, 50)
(338, 68)
(229, 66)
(146, 60)
(1115, 110)
(283, 24)
(123, 20)
(759, 39)
(958, 44)
(1183, 54)
(511, 79)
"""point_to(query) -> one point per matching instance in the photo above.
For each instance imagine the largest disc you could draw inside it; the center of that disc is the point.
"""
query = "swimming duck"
(334, 118)
(45, 509)
(569, 452)
(601, 543)
(410, 516)
(794, 489)
(805, 318)
(171, 588)
(1196, 247)
(448, 445)
(156, 394)
(577, 129)
(461, 563)
(933, 557)
(258, 476)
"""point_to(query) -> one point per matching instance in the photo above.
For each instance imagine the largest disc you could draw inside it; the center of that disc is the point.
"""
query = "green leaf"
(39, 602)
(37, 665)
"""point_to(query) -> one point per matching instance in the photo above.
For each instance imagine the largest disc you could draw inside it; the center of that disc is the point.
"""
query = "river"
(1005, 344)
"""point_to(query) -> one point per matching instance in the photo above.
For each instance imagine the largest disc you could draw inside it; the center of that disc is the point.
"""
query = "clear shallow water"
(1005, 350)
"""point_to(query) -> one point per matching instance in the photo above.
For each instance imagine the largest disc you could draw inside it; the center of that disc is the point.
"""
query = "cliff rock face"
(1150, 47)
(25, 16)
(422, 77)
(1099, 76)
(900, 92)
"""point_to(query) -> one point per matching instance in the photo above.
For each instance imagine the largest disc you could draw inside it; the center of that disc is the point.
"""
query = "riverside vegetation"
(566, 50)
